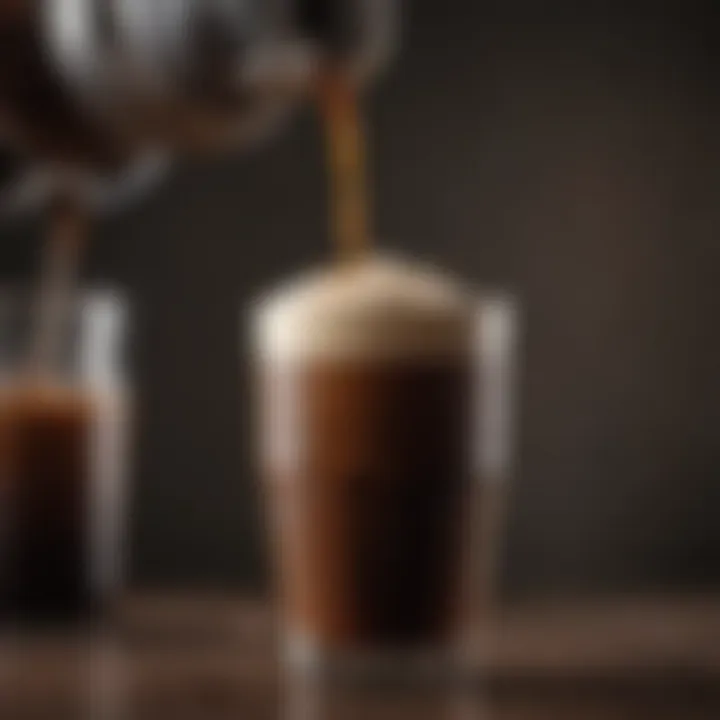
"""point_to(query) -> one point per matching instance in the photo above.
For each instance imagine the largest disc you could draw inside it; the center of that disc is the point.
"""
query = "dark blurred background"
(569, 151)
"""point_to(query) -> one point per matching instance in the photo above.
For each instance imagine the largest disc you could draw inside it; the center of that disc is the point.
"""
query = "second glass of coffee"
(63, 444)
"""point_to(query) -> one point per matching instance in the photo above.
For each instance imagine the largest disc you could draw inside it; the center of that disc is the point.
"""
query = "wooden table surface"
(214, 658)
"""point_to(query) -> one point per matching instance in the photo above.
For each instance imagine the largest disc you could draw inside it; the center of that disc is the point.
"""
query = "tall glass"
(63, 453)
(377, 395)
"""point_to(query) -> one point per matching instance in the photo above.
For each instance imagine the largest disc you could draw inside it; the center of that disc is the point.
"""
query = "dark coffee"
(370, 523)
(367, 397)
(46, 437)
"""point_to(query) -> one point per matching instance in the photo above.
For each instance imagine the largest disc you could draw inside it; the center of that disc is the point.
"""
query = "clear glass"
(63, 459)
(382, 579)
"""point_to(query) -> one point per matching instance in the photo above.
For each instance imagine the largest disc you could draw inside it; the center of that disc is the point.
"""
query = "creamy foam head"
(378, 309)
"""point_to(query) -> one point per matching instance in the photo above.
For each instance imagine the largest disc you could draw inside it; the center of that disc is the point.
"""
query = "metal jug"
(110, 89)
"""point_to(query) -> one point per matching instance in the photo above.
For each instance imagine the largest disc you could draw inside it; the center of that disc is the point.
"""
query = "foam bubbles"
(382, 308)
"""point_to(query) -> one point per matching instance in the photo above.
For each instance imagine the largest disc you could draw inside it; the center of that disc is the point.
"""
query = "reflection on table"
(215, 659)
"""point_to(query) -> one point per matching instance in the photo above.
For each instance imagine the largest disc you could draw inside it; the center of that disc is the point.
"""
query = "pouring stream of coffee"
(68, 229)
(346, 158)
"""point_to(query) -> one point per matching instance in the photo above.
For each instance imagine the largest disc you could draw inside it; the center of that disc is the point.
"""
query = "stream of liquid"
(347, 166)
(62, 250)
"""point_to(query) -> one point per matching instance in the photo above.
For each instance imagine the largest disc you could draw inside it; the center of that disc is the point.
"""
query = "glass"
(63, 455)
(385, 480)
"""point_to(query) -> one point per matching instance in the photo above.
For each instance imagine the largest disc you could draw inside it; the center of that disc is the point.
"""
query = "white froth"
(383, 308)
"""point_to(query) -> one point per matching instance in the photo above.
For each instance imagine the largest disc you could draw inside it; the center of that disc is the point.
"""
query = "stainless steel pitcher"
(99, 92)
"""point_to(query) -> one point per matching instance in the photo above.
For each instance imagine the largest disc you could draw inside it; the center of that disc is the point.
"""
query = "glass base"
(424, 666)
